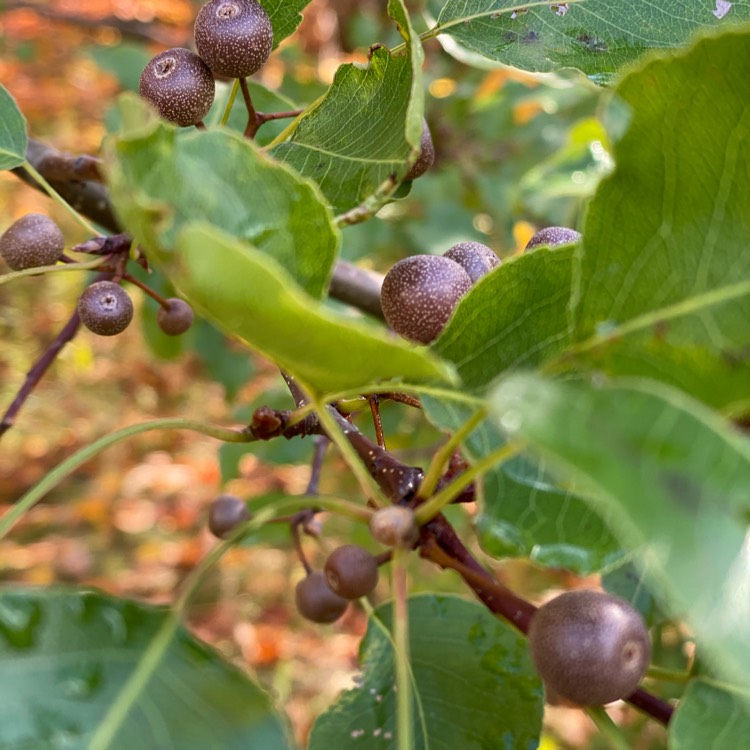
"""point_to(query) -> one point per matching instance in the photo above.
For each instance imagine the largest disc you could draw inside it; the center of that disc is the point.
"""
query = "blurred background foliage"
(515, 152)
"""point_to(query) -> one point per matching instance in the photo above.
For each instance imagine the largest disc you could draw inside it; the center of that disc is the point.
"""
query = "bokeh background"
(515, 152)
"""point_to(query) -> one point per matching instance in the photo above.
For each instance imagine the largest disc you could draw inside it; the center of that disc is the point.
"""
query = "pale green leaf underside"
(13, 137)
(66, 655)
(354, 138)
(710, 717)
(220, 178)
(595, 36)
(524, 512)
(251, 297)
(473, 678)
(664, 271)
(669, 478)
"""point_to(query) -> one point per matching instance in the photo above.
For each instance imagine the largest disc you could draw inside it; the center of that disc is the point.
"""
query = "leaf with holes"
(595, 36)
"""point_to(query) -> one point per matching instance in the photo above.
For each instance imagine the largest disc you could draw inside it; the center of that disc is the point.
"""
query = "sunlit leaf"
(13, 137)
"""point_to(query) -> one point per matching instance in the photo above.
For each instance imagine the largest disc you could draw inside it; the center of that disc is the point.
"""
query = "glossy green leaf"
(285, 17)
(523, 511)
(474, 684)
(252, 297)
(672, 481)
(710, 716)
(66, 655)
(663, 283)
(13, 136)
(595, 36)
(220, 178)
(366, 128)
(514, 317)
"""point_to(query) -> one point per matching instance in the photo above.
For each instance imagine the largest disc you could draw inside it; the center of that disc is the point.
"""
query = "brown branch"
(129, 29)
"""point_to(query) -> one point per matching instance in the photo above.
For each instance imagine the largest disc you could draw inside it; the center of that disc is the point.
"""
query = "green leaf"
(628, 582)
(126, 61)
(161, 178)
(285, 17)
(672, 481)
(67, 653)
(474, 684)
(595, 36)
(13, 137)
(663, 277)
(250, 296)
(365, 129)
(514, 317)
(524, 512)
(710, 716)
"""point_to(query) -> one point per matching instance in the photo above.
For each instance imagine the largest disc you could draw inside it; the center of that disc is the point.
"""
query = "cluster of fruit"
(104, 307)
(420, 292)
(589, 647)
(234, 38)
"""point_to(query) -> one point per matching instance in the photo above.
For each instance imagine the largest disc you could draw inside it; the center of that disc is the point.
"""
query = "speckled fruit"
(175, 319)
(553, 236)
(225, 514)
(474, 257)
(105, 308)
(32, 241)
(316, 600)
(351, 571)
(233, 37)
(394, 526)
(590, 648)
(179, 85)
(426, 156)
(419, 294)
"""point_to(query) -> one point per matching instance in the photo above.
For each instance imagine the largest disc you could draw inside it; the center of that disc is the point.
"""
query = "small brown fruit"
(351, 571)
(394, 526)
(105, 308)
(175, 319)
(426, 156)
(553, 236)
(316, 601)
(474, 257)
(32, 241)
(226, 513)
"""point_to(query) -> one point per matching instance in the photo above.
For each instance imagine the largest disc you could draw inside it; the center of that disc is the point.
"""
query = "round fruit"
(176, 318)
(32, 241)
(179, 85)
(316, 601)
(226, 513)
(474, 257)
(351, 571)
(394, 526)
(426, 156)
(234, 37)
(553, 236)
(419, 294)
(105, 308)
(589, 647)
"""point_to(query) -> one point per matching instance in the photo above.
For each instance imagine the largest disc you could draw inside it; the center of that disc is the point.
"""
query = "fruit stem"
(35, 374)
(376, 421)
(65, 266)
(146, 288)
(607, 728)
(667, 675)
(230, 102)
(439, 500)
(253, 122)
(443, 455)
(404, 707)
(268, 116)
(59, 199)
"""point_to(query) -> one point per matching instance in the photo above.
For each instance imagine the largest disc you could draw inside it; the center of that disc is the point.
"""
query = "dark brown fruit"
(176, 319)
(316, 601)
(426, 156)
(394, 526)
(474, 257)
(553, 236)
(226, 513)
(419, 294)
(590, 648)
(32, 241)
(105, 308)
(233, 37)
(179, 85)
(351, 571)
